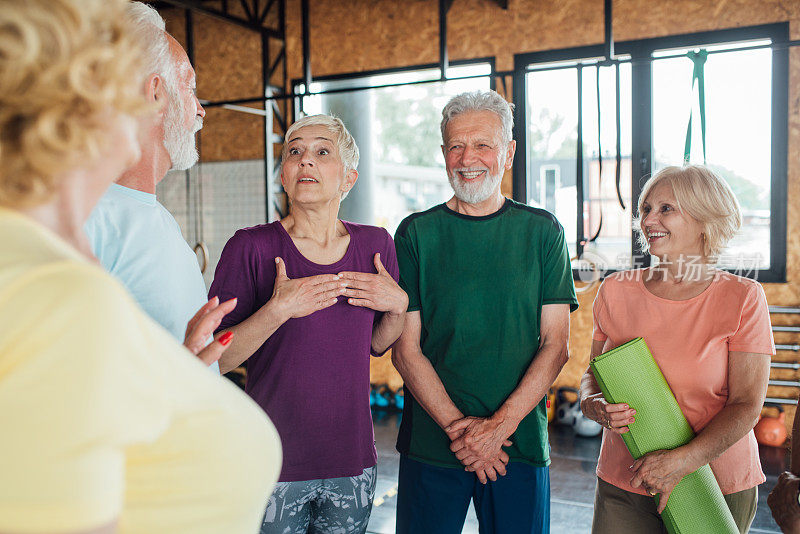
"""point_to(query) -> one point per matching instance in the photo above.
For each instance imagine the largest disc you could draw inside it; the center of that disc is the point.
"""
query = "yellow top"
(104, 416)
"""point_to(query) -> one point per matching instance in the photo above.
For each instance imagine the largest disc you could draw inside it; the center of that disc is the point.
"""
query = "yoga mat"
(629, 374)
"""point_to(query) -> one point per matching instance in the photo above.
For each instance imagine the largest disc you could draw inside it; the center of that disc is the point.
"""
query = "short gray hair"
(346, 145)
(480, 101)
(348, 150)
(150, 31)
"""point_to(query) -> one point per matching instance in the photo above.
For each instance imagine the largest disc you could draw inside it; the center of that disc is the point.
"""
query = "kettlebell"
(566, 410)
(771, 430)
(551, 405)
(585, 427)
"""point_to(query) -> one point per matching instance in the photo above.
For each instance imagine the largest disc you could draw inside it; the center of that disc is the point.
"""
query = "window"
(737, 137)
(740, 132)
(397, 131)
(601, 227)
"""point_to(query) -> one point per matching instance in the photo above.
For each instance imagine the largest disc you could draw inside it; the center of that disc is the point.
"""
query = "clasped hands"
(299, 297)
(478, 444)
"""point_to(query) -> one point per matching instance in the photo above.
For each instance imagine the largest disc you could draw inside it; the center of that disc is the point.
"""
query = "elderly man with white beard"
(131, 233)
(490, 290)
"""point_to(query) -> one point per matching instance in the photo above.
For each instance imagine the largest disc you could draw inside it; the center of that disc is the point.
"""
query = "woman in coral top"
(709, 332)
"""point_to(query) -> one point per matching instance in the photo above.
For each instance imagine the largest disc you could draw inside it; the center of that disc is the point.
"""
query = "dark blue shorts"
(435, 499)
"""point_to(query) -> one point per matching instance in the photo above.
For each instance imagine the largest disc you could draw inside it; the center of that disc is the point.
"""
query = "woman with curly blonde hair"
(107, 425)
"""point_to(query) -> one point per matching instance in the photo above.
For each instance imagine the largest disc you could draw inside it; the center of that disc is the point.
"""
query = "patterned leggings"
(324, 506)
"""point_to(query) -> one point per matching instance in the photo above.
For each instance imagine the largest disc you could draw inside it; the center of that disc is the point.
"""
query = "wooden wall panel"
(644, 19)
(382, 372)
(374, 34)
(231, 135)
(527, 25)
(229, 68)
(364, 35)
(788, 294)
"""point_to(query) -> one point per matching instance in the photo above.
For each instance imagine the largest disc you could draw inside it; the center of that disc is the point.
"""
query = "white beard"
(476, 192)
(180, 143)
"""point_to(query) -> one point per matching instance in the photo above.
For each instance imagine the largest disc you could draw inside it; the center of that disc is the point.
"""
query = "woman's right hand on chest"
(299, 297)
(615, 417)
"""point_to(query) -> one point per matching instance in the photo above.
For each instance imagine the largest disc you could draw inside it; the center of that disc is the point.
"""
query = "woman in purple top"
(316, 295)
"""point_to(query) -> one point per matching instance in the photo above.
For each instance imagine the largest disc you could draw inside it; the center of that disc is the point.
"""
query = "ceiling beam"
(199, 7)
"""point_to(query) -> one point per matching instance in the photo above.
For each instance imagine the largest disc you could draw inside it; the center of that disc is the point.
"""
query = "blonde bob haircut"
(346, 145)
(702, 195)
(66, 68)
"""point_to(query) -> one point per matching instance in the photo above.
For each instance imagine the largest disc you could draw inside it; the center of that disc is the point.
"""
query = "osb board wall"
(382, 372)
(642, 19)
(360, 35)
(375, 34)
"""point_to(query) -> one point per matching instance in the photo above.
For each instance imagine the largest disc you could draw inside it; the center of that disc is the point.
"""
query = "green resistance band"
(698, 75)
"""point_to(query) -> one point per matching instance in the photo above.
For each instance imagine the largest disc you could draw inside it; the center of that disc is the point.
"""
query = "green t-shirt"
(479, 284)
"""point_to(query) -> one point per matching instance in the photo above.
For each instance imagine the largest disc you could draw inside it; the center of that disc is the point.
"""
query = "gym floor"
(572, 481)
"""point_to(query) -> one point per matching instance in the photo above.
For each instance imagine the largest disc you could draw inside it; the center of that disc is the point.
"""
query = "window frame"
(640, 52)
(298, 107)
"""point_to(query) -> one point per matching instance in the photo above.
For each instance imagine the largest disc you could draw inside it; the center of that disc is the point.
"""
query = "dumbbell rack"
(784, 364)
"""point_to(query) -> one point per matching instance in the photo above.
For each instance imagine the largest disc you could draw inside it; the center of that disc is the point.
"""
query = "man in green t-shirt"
(490, 291)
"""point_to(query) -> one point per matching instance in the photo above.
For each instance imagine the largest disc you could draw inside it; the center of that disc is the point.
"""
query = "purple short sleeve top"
(312, 375)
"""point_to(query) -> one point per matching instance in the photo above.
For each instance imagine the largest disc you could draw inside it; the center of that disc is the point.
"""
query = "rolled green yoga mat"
(629, 374)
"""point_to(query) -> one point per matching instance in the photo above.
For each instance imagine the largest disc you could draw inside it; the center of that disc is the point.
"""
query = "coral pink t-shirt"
(690, 340)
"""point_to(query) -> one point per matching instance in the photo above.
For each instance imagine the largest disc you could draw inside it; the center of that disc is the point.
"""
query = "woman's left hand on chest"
(659, 472)
(375, 291)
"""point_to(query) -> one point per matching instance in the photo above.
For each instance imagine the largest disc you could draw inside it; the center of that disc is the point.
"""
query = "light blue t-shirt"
(138, 241)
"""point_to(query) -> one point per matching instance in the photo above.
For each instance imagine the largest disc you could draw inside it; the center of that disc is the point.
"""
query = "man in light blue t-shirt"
(131, 233)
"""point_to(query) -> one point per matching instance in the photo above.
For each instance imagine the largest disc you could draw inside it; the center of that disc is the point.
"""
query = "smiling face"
(476, 155)
(312, 171)
(669, 232)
